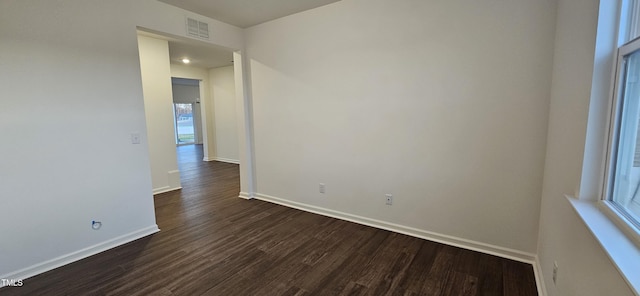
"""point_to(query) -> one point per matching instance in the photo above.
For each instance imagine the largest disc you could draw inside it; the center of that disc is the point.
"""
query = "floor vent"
(197, 29)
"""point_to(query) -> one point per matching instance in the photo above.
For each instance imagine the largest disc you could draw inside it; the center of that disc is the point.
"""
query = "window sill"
(618, 246)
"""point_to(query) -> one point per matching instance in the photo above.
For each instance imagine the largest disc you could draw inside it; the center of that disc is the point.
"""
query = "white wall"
(244, 113)
(442, 103)
(158, 105)
(185, 93)
(67, 157)
(224, 99)
(584, 268)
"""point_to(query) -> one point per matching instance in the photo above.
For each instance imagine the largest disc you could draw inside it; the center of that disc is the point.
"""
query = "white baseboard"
(227, 160)
(428, 235)
(537, 272)
(173, 178)
(165, 189)
(80, 254)
(245, 195)
(221, 159)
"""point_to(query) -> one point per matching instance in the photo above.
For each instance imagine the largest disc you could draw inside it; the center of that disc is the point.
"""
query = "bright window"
(185, 131)
(624, 190)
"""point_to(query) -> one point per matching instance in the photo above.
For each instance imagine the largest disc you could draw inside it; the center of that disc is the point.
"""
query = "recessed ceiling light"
(186, 61)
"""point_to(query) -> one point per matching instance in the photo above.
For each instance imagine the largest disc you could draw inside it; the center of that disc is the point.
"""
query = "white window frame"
(629, 26)
(618, 239)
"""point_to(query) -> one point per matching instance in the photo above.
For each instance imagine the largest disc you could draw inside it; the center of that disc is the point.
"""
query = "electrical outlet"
(321, 188)
(389, 199)
(555, 271)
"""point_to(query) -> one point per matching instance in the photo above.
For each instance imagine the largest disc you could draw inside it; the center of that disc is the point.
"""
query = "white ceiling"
(247, 13)
(202, 55)
(241, 13)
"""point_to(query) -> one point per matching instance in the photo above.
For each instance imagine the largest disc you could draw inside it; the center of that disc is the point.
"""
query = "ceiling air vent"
(197, 29)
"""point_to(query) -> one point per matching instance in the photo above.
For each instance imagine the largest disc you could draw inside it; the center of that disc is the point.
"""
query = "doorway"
(216, 116)
(187, 119)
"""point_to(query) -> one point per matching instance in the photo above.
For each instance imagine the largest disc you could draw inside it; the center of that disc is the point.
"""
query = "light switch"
(135, 138)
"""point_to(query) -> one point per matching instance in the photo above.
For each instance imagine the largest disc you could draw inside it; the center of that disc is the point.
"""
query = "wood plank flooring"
(213, 243)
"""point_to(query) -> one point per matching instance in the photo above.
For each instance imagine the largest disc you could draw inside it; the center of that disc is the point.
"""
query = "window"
(622, 190)
(185, 131)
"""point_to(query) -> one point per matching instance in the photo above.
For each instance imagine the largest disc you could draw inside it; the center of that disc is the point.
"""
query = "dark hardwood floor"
(213, 243)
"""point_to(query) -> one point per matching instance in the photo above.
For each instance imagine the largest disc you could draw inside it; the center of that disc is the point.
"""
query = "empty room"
(341, 147)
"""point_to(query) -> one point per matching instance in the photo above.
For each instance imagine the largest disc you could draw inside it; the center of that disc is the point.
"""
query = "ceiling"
(241, 13)
(201, 54)
(247, 13)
